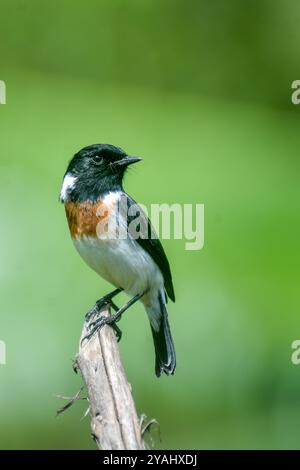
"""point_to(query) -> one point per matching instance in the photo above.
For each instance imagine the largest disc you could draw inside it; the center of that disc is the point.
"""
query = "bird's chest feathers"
(92, 219)
(95, 229)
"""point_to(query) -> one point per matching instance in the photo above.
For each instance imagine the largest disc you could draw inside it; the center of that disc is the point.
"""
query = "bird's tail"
(165, 357)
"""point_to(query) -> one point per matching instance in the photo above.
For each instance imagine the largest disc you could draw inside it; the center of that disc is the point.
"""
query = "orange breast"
(84, 217)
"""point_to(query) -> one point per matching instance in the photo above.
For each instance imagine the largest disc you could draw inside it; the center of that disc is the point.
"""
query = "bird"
(92, 193)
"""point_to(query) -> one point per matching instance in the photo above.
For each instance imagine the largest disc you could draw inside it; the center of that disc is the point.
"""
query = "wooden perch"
(114, 421)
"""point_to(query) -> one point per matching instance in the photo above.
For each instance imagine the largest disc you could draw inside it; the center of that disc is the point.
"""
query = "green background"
(201, 90)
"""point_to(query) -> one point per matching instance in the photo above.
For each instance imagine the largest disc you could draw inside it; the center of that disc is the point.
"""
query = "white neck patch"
(68, 183)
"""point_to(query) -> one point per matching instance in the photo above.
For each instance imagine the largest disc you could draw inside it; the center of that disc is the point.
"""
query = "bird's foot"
(91, 314)
(96, 326)
(98, 307)
(102, 303)
(111, 320)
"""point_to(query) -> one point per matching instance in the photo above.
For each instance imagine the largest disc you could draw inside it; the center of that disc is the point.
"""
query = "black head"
(94, 171)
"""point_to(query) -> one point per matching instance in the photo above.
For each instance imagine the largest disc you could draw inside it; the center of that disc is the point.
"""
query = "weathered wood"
(114, 421)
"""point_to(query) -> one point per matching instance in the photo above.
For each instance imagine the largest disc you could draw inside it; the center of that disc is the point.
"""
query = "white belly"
(123, 263)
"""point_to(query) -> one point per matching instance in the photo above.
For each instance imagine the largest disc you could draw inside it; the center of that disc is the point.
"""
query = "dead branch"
(114, 421)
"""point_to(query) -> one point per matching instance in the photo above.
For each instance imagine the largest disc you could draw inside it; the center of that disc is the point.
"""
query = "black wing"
(152, 245)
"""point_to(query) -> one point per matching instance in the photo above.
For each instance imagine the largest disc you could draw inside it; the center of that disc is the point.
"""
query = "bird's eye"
(97, 159)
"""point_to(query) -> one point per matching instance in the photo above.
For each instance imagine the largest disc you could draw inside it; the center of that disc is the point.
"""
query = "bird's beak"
(127, 161)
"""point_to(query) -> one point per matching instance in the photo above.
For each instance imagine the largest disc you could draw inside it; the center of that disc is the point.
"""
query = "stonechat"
(92, 193)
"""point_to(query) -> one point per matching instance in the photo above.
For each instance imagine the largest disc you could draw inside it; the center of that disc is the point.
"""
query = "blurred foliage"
(233, 49)
(202, 91)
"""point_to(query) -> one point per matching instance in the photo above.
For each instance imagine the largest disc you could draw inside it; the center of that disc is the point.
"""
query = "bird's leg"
(114, 306)
(103, 302)
(106, 300)
(101, 321)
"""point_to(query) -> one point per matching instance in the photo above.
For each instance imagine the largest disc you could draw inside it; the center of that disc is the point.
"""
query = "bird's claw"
(96, 326)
